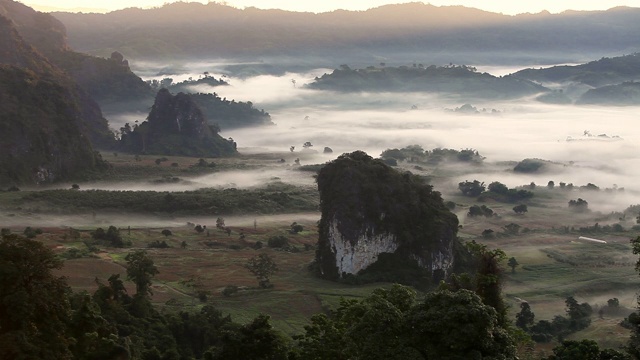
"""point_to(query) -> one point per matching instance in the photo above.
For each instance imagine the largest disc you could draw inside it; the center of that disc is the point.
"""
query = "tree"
(487, 279)
(220, 223)
(471, 188)
(262, 266)
(278, 241)
(140, 270)
(458, 325)
(166, 232)
(579, 314)
(200, 229)
(525, 318)
(255, 340)
(513, 263)
(520, 209)
(354, 331)
(307, 145)
(498, 188)
(551, 184)
(633, 346)
(34, 306)
(296, 228)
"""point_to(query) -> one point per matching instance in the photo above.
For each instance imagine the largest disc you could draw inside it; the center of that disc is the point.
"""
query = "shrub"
(230, 290)
(278, 241)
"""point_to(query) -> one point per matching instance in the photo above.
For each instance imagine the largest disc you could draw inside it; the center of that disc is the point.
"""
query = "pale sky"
(510, 7)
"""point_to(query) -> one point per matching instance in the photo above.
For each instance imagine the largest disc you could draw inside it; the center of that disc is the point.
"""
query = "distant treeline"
(269, 200)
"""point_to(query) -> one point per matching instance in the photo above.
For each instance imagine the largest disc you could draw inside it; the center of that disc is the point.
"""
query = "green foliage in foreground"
(445, 325)
(269, 200)
(41, 318)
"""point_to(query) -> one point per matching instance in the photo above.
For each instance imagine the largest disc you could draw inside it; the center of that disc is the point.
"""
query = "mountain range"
(414, 32)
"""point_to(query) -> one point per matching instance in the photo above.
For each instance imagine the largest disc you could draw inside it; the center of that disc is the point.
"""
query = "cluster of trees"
(42, 319)
(579, 205)
(272, 199)
(111, 237)
(482, 210)
(578, 318)
(496, 191)
(416, 154)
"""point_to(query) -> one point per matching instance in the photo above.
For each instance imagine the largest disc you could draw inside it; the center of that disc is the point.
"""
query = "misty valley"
(385, 194)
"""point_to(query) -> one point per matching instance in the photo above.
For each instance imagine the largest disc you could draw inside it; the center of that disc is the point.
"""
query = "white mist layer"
(373, 122)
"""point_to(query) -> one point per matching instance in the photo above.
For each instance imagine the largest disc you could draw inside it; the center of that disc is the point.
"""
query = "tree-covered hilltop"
(223, 113)
(382, 223)
(606, 71)
(451, 79)
(175, 126)
(230, 114)
(417, 155)
(627, 93)
(106, 80)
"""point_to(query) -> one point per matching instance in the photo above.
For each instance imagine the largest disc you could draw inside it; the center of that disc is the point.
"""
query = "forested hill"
(606, 71)
(45, 136)
(176, 126)
(105, 80)
(459, 80)
(183, 30)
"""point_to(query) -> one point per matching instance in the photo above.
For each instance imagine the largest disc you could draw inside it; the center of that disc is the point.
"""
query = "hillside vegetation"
(452, 79)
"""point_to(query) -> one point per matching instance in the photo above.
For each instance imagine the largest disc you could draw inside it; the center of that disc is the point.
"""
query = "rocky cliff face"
(369, 209)
(177, 115)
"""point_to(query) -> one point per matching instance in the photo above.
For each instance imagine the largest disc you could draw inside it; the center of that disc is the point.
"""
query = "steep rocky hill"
(382, 225)
(175, 126)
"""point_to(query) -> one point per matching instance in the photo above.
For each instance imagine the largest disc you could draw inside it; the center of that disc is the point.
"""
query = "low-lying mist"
(501, 131)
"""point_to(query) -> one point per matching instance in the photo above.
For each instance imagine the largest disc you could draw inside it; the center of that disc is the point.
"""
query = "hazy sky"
(506, 7)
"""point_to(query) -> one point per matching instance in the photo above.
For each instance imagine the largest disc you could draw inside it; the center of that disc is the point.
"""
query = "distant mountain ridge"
(461, 81)
(608, 81)
(183, 30)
